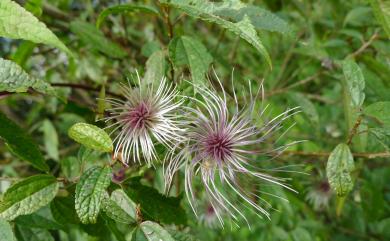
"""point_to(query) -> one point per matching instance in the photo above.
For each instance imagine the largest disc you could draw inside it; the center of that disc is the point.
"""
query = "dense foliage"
(66, 66)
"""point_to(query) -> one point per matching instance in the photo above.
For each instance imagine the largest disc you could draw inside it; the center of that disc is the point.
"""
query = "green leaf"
(91, 136)
(260, 18)
(6, 233)
(154, 205)
(14, 79)
(27, 196)
(306, 106)
(338, 169)
(154, 232)
(21, 144)
(380, 111)
(50, 138)
(125, 8)
(33, 234)
(155, 67)
(24, 51)
(63, 210)
(185, 50)
(120, 207)
(95, 39)
(205, 10)
(382, 13)
(41, 219)
(354, 81)
(89, 193)
(17, 23)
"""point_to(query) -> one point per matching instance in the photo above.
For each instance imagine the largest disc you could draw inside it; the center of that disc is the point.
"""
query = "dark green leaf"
(125, 8)
(21, 143)
(33, 234)
(95, 39)
(41, 219)
(120, 207)
(154, 205)
(63, 210)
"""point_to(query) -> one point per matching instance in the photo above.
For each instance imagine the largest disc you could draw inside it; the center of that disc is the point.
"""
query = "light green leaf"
(206, 11)
(125, 8)
(95, 39)
(6, 233)
(382, 13)
(14, 79)
(380, 111)
(90, 191)
(91, 136)
(120, 207)
(306, 106)
(354, 81)
(17, 23)
(50, 138)
(27, 196)
(155, 67)
(260, 18)
(188, 51)
(21, 143)
(338, 169)
(154, 232)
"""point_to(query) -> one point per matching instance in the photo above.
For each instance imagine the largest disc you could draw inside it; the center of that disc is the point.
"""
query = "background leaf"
(381, 10)
(185, 50)
(154, 232)
(6, 233)
(380, 111)
(50, 139)
(21, 143)
(155, 67)
(96, 40)
(120, 207)
(27, 196)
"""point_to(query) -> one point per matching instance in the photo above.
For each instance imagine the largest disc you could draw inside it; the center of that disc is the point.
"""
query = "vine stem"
(367, 155)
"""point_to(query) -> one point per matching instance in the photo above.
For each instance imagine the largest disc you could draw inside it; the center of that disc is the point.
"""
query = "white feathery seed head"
(146, 116)
(219, 149)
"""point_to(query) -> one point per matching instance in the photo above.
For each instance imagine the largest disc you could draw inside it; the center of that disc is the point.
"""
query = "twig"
(326, 154)
(168, 22)
(364, 46)
(301, 82)
(84, 87)
(353, 131)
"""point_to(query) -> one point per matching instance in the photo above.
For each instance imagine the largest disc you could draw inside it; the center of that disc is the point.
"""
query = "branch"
(326, 154)
(364, 46)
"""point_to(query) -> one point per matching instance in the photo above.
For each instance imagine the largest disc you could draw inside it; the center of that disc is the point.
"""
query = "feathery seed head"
(145, 117)
(219, 148)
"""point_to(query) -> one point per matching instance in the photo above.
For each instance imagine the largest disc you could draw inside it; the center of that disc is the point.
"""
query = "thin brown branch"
(84, 87)
(301, 82)
(326, 154)
(353, 131)
(365, 45)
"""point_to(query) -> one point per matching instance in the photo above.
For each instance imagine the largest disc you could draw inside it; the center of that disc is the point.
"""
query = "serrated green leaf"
(188, 51)
(380, 111)
(27, 196)
(205, 10)
(21, 143)
(95, 39)
(354, 81)
(154, 232)
(120, 207)
(90, 191)
(33, 234)
(14, 79)
(155, 67)
(50, 138)
(124, 8)
(63, 210)
(6, 233)
(155, 206)
(382, 13)
(91, 136)
(338, 169)
(260, 18)
(17, 23)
